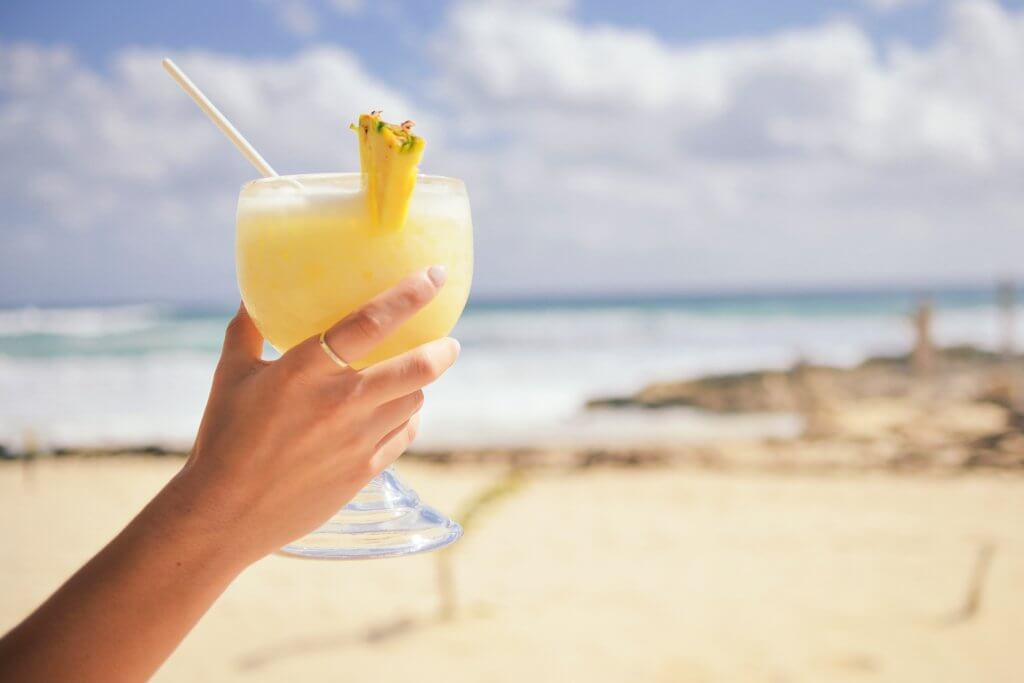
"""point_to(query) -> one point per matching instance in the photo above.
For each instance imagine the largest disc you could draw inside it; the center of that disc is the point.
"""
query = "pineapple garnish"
(389, 155)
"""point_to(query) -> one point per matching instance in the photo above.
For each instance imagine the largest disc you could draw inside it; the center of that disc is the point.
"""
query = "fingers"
(385, 418)
(395, 444)
(243, 343)
(409, 371)
(359, 332)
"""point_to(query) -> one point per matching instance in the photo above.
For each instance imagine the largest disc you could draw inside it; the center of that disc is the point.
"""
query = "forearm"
(282, 445)
(123, 613)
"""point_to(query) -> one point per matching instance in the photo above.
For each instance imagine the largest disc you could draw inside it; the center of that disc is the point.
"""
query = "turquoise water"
(144, 329)
(139, 374)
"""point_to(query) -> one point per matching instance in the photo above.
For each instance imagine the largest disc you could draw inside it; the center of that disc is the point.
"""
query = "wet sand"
(599, 574)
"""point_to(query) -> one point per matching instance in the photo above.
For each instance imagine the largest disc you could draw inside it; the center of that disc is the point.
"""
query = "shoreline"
(963, 411)
(798, 458)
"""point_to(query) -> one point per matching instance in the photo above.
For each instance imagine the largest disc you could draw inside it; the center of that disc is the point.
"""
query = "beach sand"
(599, 574)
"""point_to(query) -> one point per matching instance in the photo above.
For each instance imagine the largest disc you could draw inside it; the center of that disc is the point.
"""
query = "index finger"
(361, 331)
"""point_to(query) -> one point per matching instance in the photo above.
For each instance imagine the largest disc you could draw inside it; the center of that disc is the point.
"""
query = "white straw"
(221, 122)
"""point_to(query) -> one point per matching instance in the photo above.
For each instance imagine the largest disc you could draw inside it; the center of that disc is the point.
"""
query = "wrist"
(202, 528)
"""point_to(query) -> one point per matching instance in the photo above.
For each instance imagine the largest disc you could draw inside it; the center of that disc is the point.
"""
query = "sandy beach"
(600, 573)
(881, 542)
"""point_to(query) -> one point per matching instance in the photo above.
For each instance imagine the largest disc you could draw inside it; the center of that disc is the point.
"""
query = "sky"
(608, 147)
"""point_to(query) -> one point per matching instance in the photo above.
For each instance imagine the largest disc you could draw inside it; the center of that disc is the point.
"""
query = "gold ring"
(330, 352)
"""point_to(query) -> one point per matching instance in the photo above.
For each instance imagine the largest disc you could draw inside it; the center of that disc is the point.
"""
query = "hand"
(283, 445)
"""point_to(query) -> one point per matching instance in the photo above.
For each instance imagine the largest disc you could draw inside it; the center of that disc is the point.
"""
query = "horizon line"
(922, 289)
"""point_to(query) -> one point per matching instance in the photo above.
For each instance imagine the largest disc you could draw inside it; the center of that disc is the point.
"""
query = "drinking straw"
(219, 119)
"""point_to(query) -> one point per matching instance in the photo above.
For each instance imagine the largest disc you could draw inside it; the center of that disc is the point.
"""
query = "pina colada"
(309, 252)
(313, 248)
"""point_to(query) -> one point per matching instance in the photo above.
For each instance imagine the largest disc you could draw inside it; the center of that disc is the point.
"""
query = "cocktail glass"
(307, 255)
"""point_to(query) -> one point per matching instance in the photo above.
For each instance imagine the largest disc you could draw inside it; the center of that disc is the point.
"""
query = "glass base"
(386, 519)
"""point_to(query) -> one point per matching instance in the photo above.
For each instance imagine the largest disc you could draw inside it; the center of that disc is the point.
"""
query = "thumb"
(243, 343)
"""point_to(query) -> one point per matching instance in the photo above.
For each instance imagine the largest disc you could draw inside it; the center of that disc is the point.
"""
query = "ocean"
(138, 375)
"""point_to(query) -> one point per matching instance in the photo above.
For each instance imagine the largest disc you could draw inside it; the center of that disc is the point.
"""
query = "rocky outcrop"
(961, 373)
(967, 411)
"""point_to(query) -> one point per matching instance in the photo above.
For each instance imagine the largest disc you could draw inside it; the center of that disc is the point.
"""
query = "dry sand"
(595, 575)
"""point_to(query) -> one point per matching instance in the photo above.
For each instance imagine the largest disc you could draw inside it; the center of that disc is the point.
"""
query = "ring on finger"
(330, 352)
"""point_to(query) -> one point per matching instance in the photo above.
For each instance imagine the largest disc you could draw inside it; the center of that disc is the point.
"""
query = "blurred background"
(740, 391)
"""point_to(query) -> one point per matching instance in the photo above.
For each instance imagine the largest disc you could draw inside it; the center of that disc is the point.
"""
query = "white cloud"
(121, 187)
(597, 158)
(296, 16)
(820, 90)
(894, 5)
(349, 7)
(801, 156)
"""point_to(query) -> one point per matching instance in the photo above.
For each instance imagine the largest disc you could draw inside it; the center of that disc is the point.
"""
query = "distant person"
(281, 447)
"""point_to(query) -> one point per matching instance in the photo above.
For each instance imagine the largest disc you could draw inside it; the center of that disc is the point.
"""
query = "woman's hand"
(283, 445)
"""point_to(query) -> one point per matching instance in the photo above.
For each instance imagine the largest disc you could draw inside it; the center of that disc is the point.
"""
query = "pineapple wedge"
(389, 155)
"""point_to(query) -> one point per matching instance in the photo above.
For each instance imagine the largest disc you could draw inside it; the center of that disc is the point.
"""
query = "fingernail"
(458, 346)
(437, 275)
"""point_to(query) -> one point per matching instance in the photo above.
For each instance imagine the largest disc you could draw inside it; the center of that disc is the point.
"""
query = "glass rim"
(290, 179)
